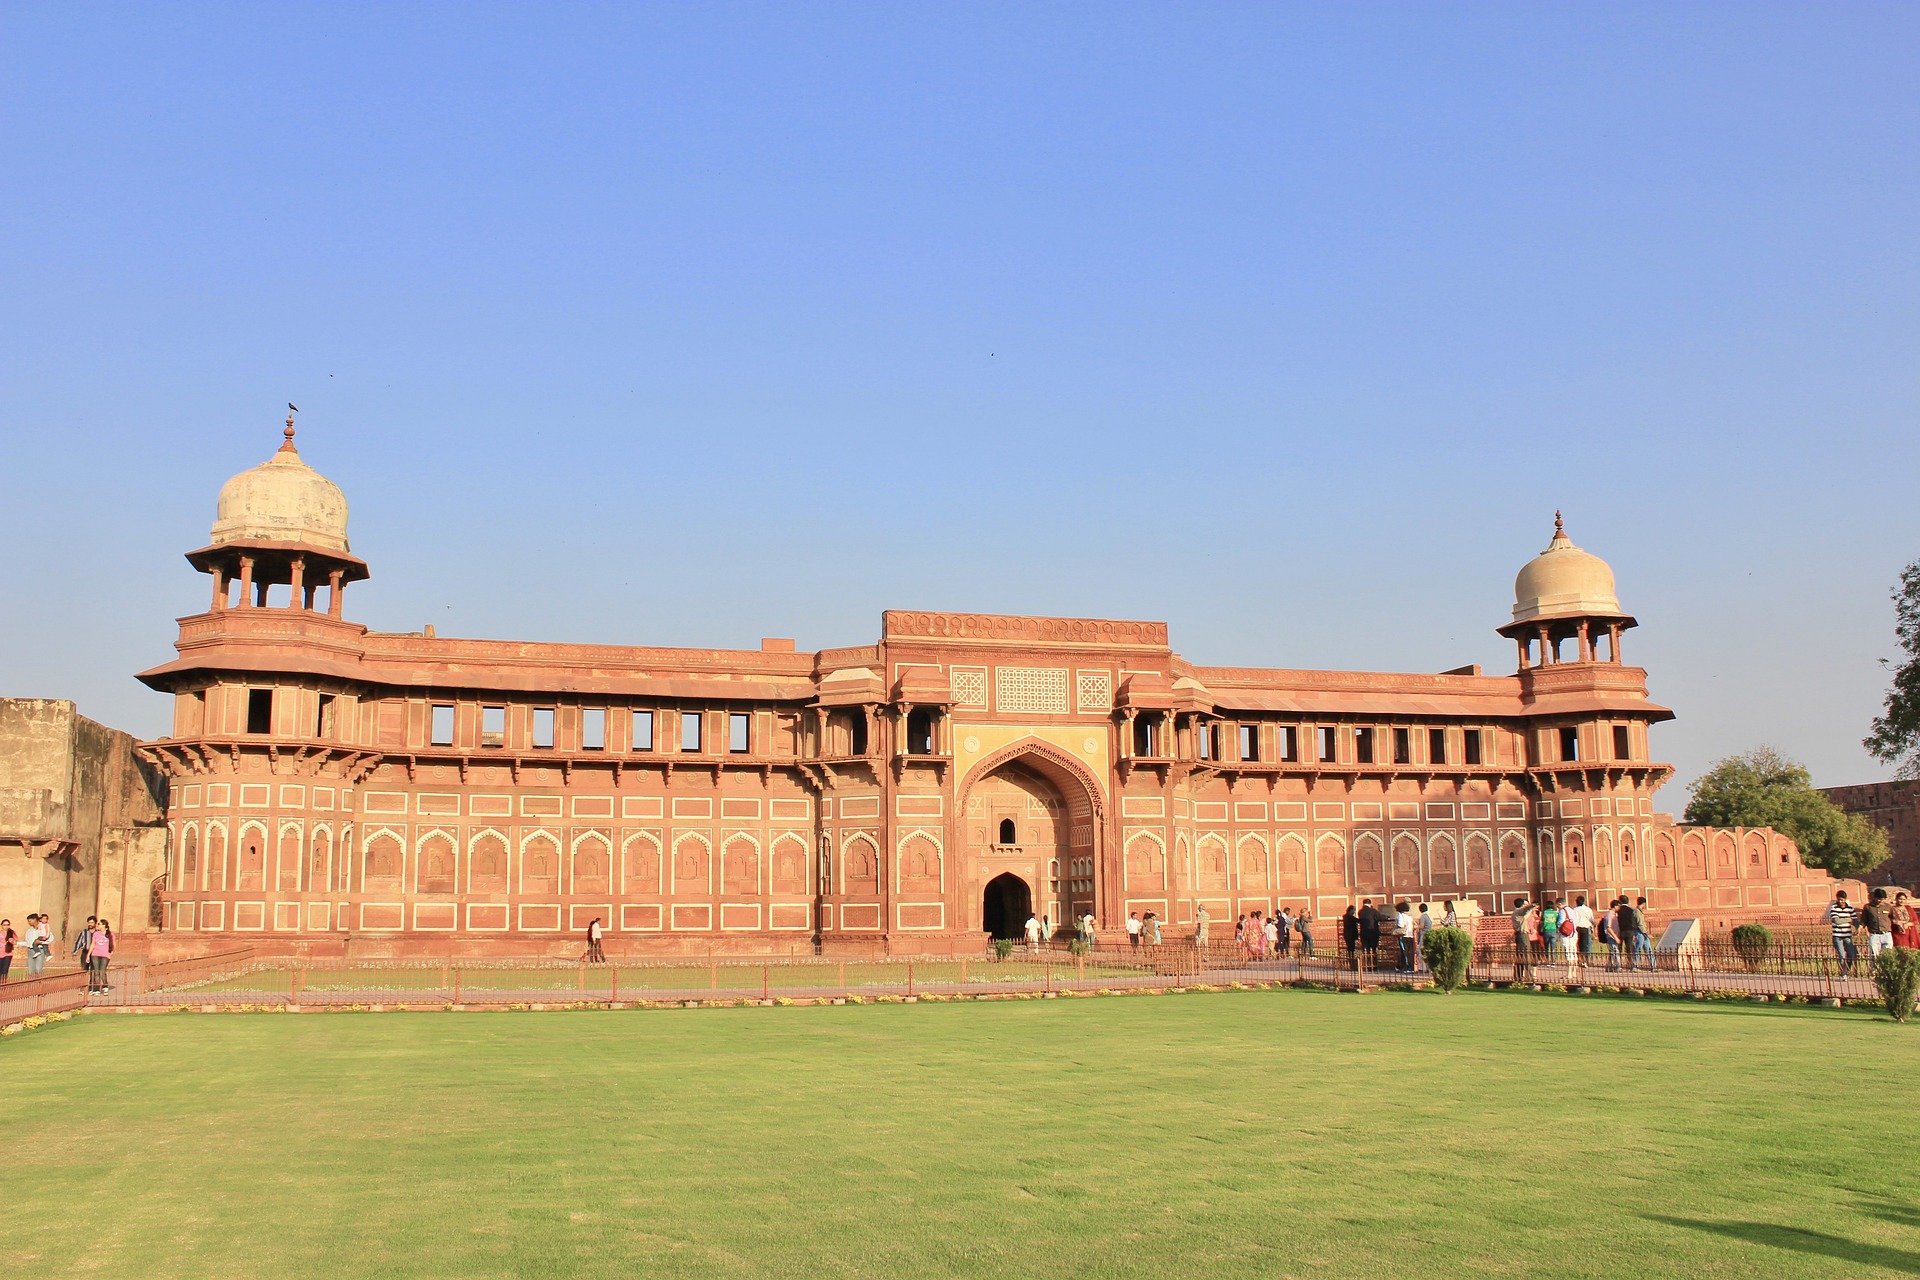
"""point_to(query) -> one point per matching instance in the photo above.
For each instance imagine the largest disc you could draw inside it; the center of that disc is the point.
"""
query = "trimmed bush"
(1078, 947)
(1446, 951)
(1002, 948)
(1897, 973)
(1752, 942)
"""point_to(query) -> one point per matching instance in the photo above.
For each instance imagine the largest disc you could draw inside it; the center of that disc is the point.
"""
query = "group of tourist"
(1261, 935)
(1552, 928)
(91, 948)
(1143, 930)
(1888, 922)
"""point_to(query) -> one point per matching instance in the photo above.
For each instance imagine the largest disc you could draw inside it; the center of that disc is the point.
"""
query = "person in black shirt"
(1369, 930)
(1350, 932)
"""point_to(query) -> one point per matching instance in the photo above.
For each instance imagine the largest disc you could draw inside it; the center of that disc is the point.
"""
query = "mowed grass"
(1282, 1133)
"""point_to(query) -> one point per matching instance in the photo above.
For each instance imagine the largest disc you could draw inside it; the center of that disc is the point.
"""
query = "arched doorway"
(1034, 813)
(1005, 906)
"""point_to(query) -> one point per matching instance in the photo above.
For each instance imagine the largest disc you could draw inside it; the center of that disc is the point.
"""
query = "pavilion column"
(819, 731)
(246, 581)
(1126, 735)
(1586, 641)
(219, 589)
(901, 746)
(1613, 642)
(1547, 655)
(1521, 641)
(297, 583)
(333, 593)
(873, 728)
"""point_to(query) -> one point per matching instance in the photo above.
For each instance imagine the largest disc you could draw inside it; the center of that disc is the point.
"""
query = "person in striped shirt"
(1842, 917)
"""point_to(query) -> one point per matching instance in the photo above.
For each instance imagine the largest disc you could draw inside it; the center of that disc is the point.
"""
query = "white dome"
(1564, 581)
(282, 500)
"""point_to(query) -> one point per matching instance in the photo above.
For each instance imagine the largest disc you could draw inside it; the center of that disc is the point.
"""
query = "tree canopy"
(1764, 788)
(1895, 739)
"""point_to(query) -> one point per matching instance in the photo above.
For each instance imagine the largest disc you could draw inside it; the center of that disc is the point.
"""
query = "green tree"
(1896, 733)
(1763, 788)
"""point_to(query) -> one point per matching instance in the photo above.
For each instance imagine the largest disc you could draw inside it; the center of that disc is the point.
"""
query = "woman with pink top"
(97, 955)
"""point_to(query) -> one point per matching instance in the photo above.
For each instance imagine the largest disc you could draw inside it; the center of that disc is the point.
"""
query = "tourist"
(1609, 924)
(1420, 928)
(99, 951)
(1451, 919)
(1253, 936)
(1240, 930)
(1303, 924)
(1150, 927)
(1549, 938)
(1643, 932)
(1033, 933)
(1133, 930)
(7, 939)
(1090, 929)
(1633, 934)
(1282, 933)
(1350, 933)
(1202, 923)
(39, 944)
(594, 954)
(1583, 925)
(1841, 915)
(1370, 921)
(1877, 920)
(1271, 928)
(1906, 922)
(1521, 910)
(1403, 935)
(83, 945)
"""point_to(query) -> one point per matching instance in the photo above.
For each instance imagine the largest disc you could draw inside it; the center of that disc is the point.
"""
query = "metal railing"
(50, 993)
(242, 978)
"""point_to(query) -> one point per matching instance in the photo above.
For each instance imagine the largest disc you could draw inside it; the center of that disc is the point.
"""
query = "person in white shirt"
(1583, 926)
(1403, 934)
(1133, 929)
(1033, 933)
(39, 943)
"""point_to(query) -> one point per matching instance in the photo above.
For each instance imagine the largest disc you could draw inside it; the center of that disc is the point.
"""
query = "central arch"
(1005, 905)
(1034, 811)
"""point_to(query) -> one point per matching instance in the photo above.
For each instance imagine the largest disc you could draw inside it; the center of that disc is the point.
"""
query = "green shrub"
(1446, 951)
(1002, 948)
(1078, 947)
(1897, 973)
(1753, 942)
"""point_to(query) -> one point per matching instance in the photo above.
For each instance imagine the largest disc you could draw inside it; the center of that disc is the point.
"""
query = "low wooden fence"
(50, 993)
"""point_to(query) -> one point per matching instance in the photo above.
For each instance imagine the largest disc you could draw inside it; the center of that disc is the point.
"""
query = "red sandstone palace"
(332, 785)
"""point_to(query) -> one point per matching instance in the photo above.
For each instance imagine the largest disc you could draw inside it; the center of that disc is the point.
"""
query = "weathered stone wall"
(81, 819)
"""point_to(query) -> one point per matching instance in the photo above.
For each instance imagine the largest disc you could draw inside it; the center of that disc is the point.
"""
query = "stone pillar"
(297, 582)
(219, 588)
(333, 593)
(1547, 655)
(1613, 642)
(1521, 641)
(246, 582)
(1126, 735)
(1586, 641)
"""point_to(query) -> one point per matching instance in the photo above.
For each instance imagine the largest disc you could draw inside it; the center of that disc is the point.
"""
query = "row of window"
(593, 729)
(1210, 742)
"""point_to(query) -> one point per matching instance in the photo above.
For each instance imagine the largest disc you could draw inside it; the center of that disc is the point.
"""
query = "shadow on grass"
(1798, 1240)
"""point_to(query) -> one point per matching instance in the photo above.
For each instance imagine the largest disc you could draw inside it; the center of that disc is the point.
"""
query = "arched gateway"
(1032, 817)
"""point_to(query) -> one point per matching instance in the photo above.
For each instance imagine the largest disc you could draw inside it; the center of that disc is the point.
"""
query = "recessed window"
(1470, 739)
(259, 711)
(1007, 833)
(1363, 746)
(442, 726)
(739, 732)
(323, 716)
(920, 732)
(642, 731)
(1437, 746)
(543, 726)
(593, 729)
(1146, 736)
(493, 726)
(1203, 741)
(856, 733)
(689, 730)
(1570, 743)
(1403, 746)
(1329, 744)
(1290, 743)
(1622, 743)
(1249, 742)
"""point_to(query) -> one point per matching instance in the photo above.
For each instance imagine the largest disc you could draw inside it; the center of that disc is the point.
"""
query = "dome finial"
(1558, 526)
(287, 447)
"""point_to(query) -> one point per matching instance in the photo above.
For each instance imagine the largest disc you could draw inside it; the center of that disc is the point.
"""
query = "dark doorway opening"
(1005, 906)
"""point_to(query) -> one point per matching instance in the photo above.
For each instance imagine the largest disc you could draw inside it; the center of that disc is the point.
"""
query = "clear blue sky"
(689, 324)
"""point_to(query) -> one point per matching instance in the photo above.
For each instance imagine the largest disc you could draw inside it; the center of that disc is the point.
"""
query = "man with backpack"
(1633, 934)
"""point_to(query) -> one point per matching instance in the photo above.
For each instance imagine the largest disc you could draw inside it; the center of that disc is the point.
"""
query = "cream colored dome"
(1564, 581)
(282, 500)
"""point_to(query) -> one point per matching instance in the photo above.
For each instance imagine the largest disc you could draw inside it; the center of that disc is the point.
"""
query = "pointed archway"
(1033, 811)
(1005, 905)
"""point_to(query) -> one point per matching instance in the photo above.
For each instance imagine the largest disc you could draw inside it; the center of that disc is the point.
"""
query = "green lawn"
(1282, 1133)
